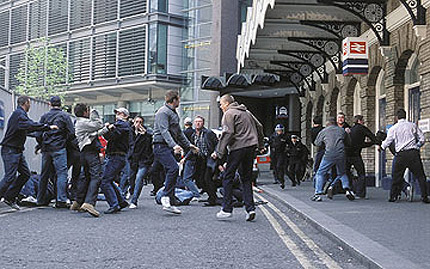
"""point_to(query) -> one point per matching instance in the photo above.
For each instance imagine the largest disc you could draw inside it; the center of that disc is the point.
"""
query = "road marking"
(324, 257)
(17, 211)
(289, 243)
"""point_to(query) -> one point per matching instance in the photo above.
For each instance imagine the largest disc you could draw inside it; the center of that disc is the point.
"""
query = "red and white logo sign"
(355, 48)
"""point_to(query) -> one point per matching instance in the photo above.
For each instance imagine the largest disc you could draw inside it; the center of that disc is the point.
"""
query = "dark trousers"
(88, 185)
(157, 175)
(408, 159)
(14, 162)
(359, 185)
(164, 155)
(243, 160)
(296, 171)
(279, 167)
(74, 161)
(113, 169)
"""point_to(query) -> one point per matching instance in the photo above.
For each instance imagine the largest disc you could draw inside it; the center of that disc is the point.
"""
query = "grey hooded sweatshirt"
(240, 129)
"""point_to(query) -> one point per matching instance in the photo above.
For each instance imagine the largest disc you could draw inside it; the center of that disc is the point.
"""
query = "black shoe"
(282, 186)
(112, 210)
(294, 184)
(123, 205)
(61, 205)
(425, 200)
(392, 199)
(12, 205)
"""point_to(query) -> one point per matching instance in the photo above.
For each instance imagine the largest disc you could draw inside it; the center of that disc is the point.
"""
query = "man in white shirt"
(408, 140)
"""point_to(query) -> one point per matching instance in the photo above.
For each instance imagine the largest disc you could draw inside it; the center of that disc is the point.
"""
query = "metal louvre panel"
(104, 56)
(132, 45)
(105, 10)
(4, 28)
(2, 77)
(15, 61)
(79, 60)
(132, 7)
(80, 13)
(19, 20)
(37, 19)
(58, 10)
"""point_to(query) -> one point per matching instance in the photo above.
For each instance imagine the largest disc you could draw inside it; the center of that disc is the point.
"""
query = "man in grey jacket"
(87, 129)
(334, 139)
(241, 134)
(169, 139)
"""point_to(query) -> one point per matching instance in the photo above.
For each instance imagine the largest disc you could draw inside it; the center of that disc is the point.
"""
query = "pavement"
(147, 237)
(380, 234)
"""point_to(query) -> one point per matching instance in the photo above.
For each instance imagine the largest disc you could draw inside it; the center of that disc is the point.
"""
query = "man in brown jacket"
(241, 134)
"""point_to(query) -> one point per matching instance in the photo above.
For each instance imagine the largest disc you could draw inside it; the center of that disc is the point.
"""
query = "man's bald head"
(225, 101)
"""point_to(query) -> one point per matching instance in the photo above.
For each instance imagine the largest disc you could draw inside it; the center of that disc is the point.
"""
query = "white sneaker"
(165, 202)
(223, 215)
(250, 216)
(30, 199)
(350, 195)
(194, 200)
(172, 209)
(132, 206)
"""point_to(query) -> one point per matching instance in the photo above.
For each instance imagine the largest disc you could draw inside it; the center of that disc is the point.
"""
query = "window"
(105, 10)
(104, 56)
(132, 51)
(37, 19)
(15, 61)
(19, 18)
(58, 13)
(159, 5)
(4, 28)
(132, 7)
(80, 14)
(79, 60)
(158, 48)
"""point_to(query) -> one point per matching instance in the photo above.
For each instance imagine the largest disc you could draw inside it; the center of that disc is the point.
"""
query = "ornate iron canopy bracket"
(416, 11)
(372, 12)
(315, 59)
(331, 47)
(301, 72)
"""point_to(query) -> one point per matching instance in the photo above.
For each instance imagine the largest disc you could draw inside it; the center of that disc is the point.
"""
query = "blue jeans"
(325, 166)
(56, 160)
(14, 161)
(113, 169)
(141, 172)
(187, 178)
(125, 178)
(163, 155)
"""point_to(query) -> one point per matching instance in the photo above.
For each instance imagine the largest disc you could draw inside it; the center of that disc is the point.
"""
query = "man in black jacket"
(54, 154)
(358, 135)
(118, 137)
(141, 158)
(12, 152)
(297, 153)
(277, 142)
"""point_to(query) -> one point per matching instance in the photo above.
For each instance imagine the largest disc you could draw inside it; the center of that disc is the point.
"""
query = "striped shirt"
(406, 136)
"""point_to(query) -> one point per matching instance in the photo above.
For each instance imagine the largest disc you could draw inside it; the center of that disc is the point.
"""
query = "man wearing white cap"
(118, 135)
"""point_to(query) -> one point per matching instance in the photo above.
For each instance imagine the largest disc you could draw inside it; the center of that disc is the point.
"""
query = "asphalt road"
(147, 237)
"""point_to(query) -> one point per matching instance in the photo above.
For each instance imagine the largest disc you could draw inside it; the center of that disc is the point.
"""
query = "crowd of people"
(117, 159)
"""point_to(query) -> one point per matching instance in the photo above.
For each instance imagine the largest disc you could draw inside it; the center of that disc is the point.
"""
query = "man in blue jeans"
(12, 152)
(118, 136)
(168, 140)
(53, 145)
(334, 139)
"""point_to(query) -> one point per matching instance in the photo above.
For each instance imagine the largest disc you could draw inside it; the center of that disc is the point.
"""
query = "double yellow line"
(290, 244)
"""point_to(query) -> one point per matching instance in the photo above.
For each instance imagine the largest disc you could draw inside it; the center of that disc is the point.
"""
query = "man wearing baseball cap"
(118, 137)
(54, 154)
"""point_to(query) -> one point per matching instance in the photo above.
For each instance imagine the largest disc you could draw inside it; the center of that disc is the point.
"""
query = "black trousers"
(88, 185)
(157, 175)
(73, 161)
(408, 159)
(359, 185)
(296, 171)
(279, 166)
(242, 160)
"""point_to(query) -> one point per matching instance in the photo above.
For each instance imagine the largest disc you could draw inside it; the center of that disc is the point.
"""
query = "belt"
(406, 150)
